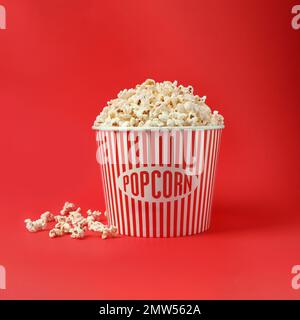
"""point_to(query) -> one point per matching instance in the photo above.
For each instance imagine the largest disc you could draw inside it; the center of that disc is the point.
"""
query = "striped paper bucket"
(158, 182)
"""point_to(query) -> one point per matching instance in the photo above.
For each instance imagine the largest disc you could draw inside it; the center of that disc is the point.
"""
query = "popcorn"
(36, 225)
(68, 207)
(215, 117)
(47, 216)
(39, 224)
(157, 104)
(109, 231)
(56, 232)
(104, 230)
(96, 226)
(77, 232)
(71, 221)
(95, 214)
(63, 226)
(76, 218)
(60, 218)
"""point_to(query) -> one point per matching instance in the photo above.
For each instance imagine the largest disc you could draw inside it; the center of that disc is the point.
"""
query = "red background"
(60, 61)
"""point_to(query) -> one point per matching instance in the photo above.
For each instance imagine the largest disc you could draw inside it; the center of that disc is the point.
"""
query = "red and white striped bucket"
(159, 182)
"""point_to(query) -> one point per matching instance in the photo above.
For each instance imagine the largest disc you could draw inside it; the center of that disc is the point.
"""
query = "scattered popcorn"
(96, 226)
(47, 216)
(63, 226)
(77, 232)
(71, 221)
(66, 227)
(36, 225)
(68, 207)
(90, 220)
(76, 218)
(53, 233)
(95, 214)
(109, 231)
(39, 224)
(61, 218)
(104, 230)
(158, 104)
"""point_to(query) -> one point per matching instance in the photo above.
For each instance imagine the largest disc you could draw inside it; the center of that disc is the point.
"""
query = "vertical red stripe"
(113, 178)
(214, 178)
(201, 197)
(123, 168)
(211, 179)
(147, 219)
(105, 161)
(100, 153)
(191, 169)
(155, 233)
(120, 195)
(161, 217)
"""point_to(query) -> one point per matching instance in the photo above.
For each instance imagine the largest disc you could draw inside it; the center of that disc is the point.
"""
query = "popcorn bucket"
(159, 182)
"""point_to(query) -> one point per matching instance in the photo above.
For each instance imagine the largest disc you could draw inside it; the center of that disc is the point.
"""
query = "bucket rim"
(199, 128)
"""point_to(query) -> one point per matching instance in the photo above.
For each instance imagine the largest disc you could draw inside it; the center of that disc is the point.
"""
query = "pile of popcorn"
(71, 221)
(158, 104)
